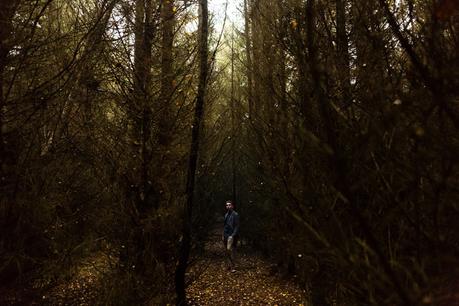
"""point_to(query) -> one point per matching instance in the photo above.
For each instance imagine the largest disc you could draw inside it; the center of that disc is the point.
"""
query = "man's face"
(229, 206)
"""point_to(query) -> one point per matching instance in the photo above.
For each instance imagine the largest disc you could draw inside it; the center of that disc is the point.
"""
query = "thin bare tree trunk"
(257, 56)
(233, 135)
(248, 52)
(185, 245)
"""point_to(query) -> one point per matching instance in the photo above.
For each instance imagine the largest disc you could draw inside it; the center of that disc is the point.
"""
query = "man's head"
(229, 205)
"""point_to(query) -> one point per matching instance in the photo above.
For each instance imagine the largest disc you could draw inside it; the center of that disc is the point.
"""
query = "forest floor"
(78, 290)
(255, 281)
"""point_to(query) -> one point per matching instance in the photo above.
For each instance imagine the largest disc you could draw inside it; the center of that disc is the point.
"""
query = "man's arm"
(223, 231)
(236, 225)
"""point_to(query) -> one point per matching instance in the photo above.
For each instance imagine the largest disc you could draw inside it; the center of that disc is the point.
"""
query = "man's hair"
(229, 202)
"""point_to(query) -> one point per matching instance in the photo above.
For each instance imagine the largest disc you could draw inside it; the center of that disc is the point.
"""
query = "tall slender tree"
(167, 71)
(185, 244)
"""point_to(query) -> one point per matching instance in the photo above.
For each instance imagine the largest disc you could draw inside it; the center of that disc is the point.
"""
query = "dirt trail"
(254, 282)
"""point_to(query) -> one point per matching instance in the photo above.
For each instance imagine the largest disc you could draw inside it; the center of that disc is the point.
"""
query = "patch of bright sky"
(234, 13)
(234, 16)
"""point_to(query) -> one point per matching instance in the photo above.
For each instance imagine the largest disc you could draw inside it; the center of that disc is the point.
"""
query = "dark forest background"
(333, 125)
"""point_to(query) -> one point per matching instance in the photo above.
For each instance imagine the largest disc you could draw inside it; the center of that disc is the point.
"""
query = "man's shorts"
(230, 243)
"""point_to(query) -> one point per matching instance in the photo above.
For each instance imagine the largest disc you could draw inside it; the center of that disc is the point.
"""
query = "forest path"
(254, 282)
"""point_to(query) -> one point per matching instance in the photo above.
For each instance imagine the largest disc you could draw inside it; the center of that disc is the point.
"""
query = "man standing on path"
(230, 234)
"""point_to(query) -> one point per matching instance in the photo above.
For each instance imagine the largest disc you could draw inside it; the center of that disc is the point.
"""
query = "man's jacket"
(231, 225)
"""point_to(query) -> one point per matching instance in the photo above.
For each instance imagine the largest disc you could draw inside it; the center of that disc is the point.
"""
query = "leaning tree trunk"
(185, 245)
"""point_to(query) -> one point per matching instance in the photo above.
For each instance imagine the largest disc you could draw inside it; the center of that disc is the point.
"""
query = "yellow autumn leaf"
(294, 24)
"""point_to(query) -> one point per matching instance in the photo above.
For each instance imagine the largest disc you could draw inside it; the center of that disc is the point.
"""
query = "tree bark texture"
(144, 34)
(167, 71)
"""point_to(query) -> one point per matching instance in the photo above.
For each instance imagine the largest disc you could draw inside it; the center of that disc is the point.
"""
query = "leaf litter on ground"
(251, 284)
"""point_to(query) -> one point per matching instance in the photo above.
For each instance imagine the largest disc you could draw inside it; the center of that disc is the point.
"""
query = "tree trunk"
(185, 245)
(257, 55)
(139, 183)
(233, 127)
(142, 108)
(8, 155)
(167, 72)
(248, 52)
(7, 10)
(343, 54)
